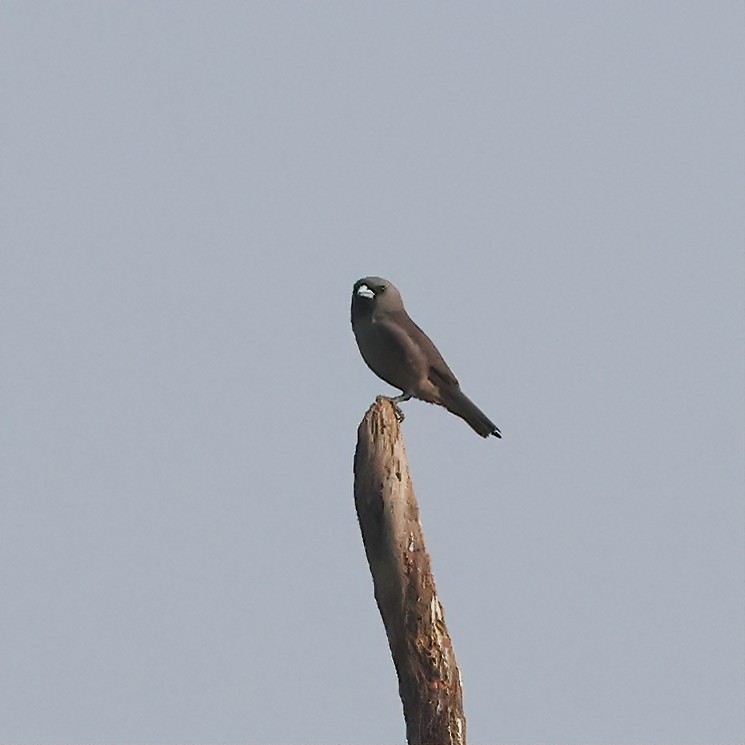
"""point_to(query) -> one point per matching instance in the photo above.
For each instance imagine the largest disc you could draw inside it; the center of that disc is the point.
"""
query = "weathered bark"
(428, 677)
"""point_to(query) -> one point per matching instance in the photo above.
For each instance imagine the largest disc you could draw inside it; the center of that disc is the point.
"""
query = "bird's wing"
(438, 370)
(439, 376)
(396, 339)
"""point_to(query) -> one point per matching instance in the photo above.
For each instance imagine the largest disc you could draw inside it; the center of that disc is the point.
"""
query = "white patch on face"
(365, 291)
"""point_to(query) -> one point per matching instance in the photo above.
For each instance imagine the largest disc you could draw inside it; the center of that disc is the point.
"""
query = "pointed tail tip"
(456, 402)
(485, 427)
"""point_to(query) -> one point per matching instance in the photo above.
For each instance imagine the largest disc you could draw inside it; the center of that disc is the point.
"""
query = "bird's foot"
(396, 400)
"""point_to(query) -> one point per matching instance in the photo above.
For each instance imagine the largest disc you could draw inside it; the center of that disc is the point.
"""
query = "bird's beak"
(365, 291)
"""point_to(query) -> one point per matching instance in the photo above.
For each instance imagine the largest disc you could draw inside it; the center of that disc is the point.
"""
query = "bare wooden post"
(428, 676)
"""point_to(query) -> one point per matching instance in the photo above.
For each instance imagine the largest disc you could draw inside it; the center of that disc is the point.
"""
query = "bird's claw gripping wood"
(396, 400)
(394, 403)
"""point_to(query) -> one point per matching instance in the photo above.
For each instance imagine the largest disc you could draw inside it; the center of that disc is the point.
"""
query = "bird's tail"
(455, 401)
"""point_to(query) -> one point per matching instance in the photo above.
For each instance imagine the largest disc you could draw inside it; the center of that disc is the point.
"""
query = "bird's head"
(374, 294)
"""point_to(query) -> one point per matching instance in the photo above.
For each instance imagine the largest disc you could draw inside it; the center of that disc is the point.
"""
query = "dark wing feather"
(439, 372)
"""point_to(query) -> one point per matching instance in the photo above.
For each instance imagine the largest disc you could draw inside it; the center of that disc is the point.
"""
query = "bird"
(400, 353)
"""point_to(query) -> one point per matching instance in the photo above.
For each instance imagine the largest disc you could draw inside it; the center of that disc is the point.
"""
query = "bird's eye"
(382, 288)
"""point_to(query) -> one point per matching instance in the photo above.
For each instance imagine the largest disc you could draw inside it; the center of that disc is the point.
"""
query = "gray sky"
(189, 191)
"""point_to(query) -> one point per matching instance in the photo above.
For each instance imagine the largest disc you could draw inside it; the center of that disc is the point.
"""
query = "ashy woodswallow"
(400, 353)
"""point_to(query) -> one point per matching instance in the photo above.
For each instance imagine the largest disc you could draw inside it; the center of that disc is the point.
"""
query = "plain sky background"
(189, 191)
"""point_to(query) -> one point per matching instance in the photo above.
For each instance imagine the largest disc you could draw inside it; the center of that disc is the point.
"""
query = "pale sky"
(189, 191)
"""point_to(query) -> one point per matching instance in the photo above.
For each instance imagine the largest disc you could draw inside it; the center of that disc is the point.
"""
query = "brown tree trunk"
(428, 677)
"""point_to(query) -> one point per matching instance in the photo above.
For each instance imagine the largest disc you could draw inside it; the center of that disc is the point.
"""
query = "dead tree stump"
(428, 677)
